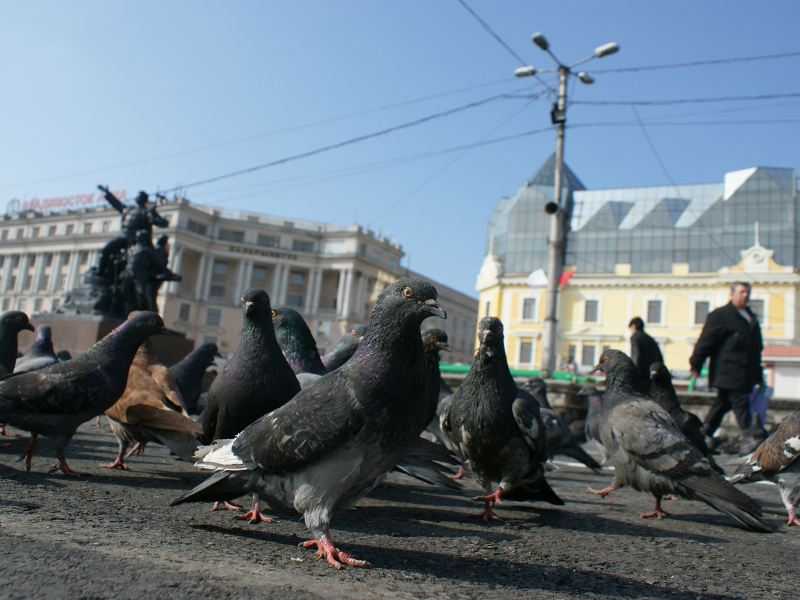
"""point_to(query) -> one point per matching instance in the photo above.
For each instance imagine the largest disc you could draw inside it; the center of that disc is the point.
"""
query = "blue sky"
(149, 95)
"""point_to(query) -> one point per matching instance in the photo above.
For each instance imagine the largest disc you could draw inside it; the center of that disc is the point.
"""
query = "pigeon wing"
(778, 451)
(529, 421)
(319, 419)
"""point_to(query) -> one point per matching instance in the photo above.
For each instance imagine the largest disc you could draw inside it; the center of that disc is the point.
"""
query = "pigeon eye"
(499, 330)
(18, 318)
(152, 321)
(433, 338)
(262, 301)
(408, 292)
(352, 332)
(605, 359)
(274, 314)
(479, 328)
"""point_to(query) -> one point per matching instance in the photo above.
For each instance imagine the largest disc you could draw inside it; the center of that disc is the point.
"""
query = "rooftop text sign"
(59, 203)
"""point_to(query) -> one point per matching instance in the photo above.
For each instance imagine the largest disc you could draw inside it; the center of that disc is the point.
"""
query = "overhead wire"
(684, 100)
(698, 63)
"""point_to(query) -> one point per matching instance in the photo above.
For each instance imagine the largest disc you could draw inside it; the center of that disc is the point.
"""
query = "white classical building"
(330, 274)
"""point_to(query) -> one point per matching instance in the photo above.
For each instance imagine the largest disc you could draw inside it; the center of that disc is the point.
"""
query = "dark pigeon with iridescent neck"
(332, 443)
(55, 400)
(189, 373)
(11, 323)
(297, 342)
(40, 354)
(434, 341)
(344, 349)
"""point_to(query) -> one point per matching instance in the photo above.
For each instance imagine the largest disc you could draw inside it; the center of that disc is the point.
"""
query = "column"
(360, 289)
(238, 283)
(72, 270)
(209, 271)
(284, 284)
(6, 273)
(55, 272)
(348, 288)
(37, 272)
(176, 259)
(312, 281)
(340, 291)
(317, 291)
(201, 274)
(275, 286)
(22, 272)
(248, 275)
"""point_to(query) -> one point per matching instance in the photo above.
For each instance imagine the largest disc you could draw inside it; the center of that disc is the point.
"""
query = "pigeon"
(189, 373)
(11, 323)
(650, 453)
(297, 343)
(343, 350)
(55, 400)
(40, 354)
(498, 427)
(64, 355)
(151, 410)
(776, 460)
(664, 393)
(256, 380)
(591, 427)
(559, 438)
(331, 444)
(433, 341)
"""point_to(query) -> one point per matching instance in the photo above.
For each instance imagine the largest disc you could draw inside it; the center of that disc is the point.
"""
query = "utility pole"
(558, 116)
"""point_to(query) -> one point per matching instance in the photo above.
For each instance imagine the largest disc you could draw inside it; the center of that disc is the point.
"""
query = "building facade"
(665, 254)
(330, 274)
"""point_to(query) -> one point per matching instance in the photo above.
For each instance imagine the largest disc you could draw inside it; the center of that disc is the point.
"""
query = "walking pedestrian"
(644, 349)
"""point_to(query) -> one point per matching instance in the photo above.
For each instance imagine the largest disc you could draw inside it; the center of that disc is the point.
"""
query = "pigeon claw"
(334, 556)
(602, 493)
(138, 450)
(460, 473)
(254, 516)
(226, 506)
(27, 454)
(487, 515)
(492, 498)
(118, 463)
(63, 466)
(793, 519)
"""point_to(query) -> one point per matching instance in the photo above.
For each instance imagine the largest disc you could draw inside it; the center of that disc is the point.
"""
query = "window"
(106, 226)
(44, 282)
(302, 246)
(376, 256)
(84, 257)
(528, 308)
(270, 241)
(297, 278)
(757, 306)
(701, 312)
(220, 268)
(184, 311)
(35, 232)
(209, 339)
(213, 316)
(392, 263)
(28, 282)
(259, 273)
(69, 229)
(294, 300)
(37, 305)
(525, 352)
(590, 312)
(15, 261)
(488, 309)
(6, 304)
(87, 228)
(217, 291)
(229, 235)
(571, 354)
(12, 282)
(587, 355)
(20, 233)
(62, 281)
(2, 261)
(5, 235)
(195, 227)
(48, 259)
(21, 304)
(653, 311)
(54, 305)
(51, 231)
(606, 348)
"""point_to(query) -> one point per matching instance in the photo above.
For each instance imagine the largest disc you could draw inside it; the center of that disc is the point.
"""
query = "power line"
(700, 63)
(349, 142)
(491, 32)
(686, 123)
(683, 101)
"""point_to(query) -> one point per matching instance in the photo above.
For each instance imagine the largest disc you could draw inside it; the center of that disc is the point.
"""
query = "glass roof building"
(649, 228)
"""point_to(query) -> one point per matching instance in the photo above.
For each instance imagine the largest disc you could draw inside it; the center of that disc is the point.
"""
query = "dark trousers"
(727, 400)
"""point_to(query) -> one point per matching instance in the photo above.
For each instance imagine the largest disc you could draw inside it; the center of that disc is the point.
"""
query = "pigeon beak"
(444, 346)
(164, 330)
(249, 307)
(432, 306)
(29, 327)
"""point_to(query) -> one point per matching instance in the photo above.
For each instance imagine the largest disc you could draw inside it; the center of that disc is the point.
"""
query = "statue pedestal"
(77, 333)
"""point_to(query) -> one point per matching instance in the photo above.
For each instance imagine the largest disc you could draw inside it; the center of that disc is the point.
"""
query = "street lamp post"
(558, 116)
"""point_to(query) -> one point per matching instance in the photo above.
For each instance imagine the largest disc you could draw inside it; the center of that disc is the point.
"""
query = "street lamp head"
(538, 39)
(606, 49)
(585, 77)
(524, 72)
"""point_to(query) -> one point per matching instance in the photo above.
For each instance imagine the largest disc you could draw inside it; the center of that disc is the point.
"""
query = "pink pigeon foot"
(63, 466)
(332, 554)
(226, 506)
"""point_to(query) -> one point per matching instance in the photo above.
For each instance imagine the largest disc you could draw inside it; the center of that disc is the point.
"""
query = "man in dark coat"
(732, 338)
(644, 349)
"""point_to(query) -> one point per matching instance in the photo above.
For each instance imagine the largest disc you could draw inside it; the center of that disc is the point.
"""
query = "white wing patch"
(219, 456)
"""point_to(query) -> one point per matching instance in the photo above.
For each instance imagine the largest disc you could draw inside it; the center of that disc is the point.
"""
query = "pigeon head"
(587, 390)
(538, 389)
(44, 335)
(435, 340)
(659, 373)
(618, 368)
(357, 332)
(256, 306)
(64, 355)
(415, 298)
(15, 321)
(207, 352)
(145, 323)
(490, 332)
(287, 318)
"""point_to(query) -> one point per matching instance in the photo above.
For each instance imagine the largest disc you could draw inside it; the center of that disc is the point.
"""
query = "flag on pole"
(537, 279)
(564, 277)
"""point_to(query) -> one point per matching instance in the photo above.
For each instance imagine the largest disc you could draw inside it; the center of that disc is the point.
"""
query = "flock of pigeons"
(318, 433)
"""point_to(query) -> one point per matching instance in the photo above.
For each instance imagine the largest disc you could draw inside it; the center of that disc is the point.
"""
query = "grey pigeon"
(498, 427)
(55, 400)
(332, 443)
(11, 323)
(345, 347)
(650, 454)
(40, 354)
(559, 438)
(433, 341)
(189, 373)
(591, 427)
(664, 393)
(297, 342)
(64, 355)
(256, 380)
(777, 459)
